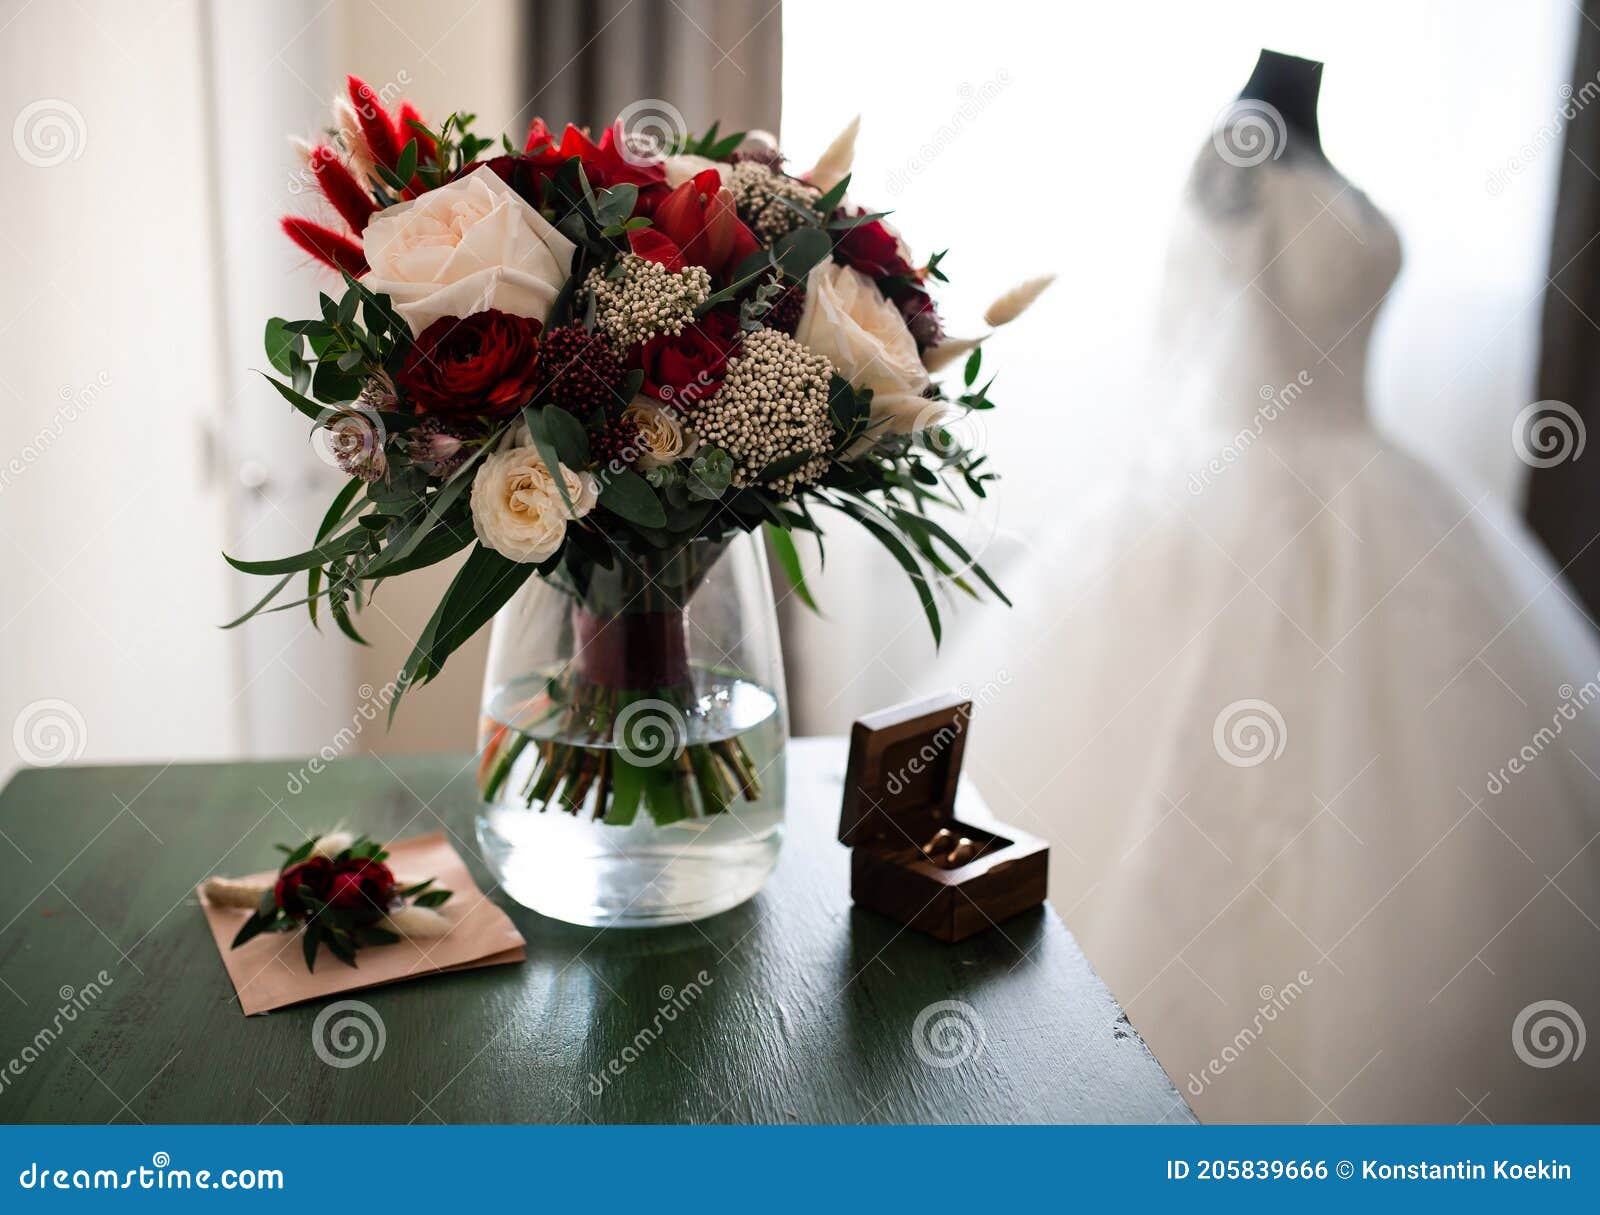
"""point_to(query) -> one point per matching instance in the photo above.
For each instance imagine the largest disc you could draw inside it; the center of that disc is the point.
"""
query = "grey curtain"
(1563, 504)
(711, 59)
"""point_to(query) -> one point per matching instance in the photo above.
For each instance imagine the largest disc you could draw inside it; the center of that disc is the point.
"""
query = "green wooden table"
(811, 1012)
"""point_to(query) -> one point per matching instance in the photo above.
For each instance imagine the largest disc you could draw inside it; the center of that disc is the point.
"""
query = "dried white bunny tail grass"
(332, 843)
(937, 358)
(415, 922)
(348, 125)
(836, 161)
(231, 892)
(1015, 302)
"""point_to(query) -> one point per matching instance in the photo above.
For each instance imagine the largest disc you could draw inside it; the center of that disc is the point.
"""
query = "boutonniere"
(337, 890)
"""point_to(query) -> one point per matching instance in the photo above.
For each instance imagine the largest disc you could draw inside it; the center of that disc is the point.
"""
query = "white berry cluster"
(646, 299)
(773, 403)
(759, 194)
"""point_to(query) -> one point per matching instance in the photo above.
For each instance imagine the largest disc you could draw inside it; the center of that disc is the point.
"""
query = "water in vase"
(612, 807)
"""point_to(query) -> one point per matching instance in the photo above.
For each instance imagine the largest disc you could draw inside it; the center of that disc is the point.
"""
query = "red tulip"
(604, 163)
(700, 219)
(651, 245)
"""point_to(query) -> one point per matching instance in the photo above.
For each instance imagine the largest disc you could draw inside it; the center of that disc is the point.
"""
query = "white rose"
(864, 336)
(661, 438)
(466, 247)
(517, 509)
(680, 169)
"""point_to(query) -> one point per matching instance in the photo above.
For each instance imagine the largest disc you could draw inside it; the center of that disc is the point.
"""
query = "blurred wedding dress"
(1313, 730)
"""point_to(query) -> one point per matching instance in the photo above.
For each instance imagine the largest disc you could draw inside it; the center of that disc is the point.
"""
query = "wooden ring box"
(900, 788)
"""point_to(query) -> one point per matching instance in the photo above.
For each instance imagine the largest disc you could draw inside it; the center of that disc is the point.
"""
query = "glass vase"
(631, 746)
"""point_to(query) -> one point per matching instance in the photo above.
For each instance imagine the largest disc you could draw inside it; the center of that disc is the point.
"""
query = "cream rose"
(466, 247)
(864, 336)
(517, 509)
(661, 439)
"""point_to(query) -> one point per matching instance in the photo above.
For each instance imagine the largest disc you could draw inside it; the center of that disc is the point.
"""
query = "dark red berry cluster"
(615, 442)
(578, 370)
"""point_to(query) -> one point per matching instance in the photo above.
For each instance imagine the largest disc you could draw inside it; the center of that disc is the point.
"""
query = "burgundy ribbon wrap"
(631, 652)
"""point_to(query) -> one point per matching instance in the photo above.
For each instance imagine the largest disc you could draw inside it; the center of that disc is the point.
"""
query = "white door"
(139, 187)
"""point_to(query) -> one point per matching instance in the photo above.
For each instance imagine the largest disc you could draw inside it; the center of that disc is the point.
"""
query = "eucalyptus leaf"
(802, 249)
(628, 495)
(283, 345)
(788, 556)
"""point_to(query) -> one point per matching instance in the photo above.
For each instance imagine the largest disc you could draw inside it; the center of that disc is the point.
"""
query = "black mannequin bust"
(1289, 85)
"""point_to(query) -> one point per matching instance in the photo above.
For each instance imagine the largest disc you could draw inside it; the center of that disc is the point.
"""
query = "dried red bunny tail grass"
(340, 187)
(375, 122)
(326, 245)
(426, 151)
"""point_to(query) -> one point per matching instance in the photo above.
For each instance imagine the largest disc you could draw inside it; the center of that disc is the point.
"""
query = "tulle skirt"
(1316, 736)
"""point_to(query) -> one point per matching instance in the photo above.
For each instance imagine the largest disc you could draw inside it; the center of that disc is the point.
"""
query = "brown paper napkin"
(268, 971)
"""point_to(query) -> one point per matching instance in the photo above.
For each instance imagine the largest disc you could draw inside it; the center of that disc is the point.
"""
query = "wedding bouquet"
(577, 356)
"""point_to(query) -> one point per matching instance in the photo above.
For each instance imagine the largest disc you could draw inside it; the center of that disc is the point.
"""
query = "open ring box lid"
(902, 785)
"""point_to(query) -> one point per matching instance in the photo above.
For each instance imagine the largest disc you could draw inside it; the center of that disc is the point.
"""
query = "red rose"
(690, 367)
(362, 885)
(483, 364)
(872, 249)
(315, 874)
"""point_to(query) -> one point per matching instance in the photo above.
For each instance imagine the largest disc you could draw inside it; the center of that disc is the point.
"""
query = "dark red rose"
(480, 365)
(872, 249)
(315, 874)
(362, 885)
(921, 317)
(518, 172)
(690, 367)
